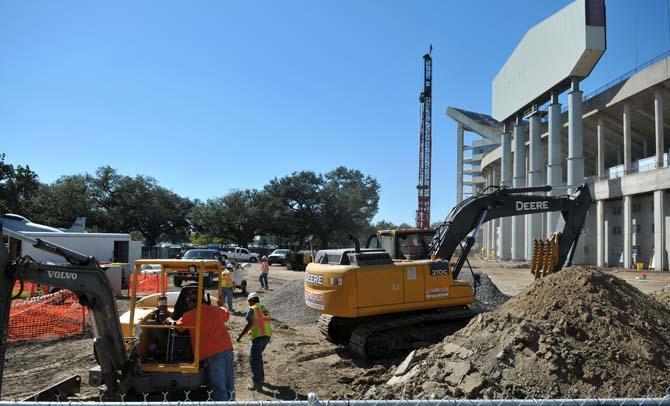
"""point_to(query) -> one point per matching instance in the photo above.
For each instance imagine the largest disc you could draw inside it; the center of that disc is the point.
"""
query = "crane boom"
(425, 144)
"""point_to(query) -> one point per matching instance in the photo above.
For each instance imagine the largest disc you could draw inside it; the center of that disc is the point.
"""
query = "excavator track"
(337, 330)
(382, 337)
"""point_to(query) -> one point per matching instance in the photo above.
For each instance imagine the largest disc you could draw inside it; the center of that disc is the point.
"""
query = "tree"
(293, 205)
(235, 217)
(350, 201)
(140, 204)
(69, 197)
(18, 186)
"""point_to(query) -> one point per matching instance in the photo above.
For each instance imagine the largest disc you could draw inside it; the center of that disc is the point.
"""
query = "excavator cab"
(403, 244)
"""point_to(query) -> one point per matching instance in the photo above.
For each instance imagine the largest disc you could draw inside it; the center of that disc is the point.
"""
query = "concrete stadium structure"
(613, 138)
(626, 162)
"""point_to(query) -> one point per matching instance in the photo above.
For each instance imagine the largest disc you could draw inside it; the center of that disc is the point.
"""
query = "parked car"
(239, 254)
(179, 278)
(278, 256)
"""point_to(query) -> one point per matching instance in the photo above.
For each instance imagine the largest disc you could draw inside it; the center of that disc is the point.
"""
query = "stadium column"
(505, 180)
(658, 122)
(626, 138)
(555, 164)
(600, 205)
(575, 135)
(659, 231)
(601, 148)
(518, 230)
(627, 232)
(600, 233)
(536, 157)
(494, 223)
(459, 163)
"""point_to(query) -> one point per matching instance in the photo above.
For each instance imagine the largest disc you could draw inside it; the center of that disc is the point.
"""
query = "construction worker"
(258, 326)
(227, 287)
(265, 269)
(216, 348)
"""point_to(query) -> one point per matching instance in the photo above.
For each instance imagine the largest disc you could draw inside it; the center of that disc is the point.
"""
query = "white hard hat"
(253, 295)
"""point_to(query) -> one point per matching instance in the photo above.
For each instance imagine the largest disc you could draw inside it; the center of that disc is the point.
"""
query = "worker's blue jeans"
(263, 279)
(220, 376)
(256, 358)
(228, 293)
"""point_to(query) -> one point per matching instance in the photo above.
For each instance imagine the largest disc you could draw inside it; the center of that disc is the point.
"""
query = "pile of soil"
(662, 295)
(563, 335)
(287, 304)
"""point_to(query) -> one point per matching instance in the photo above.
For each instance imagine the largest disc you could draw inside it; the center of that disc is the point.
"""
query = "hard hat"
(253, 295)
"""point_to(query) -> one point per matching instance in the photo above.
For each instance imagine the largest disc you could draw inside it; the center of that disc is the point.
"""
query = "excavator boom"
(83, 277)
(467, 217)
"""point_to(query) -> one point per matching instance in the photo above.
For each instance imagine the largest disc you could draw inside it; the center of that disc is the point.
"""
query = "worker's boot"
(256, 386)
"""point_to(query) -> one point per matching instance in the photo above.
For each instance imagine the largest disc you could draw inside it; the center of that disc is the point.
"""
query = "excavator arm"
(465, 219)
(91, 285)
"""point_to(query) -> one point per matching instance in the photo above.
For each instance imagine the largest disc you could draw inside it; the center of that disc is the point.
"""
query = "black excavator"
(378, 305)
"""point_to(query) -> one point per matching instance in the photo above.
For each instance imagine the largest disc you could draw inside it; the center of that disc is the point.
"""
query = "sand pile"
(566, 333)
(287, 304)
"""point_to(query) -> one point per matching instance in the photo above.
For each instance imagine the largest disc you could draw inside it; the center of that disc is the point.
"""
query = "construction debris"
(564, 335)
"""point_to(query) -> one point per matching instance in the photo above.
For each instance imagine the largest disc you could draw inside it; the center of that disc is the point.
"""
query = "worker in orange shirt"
(216, 349)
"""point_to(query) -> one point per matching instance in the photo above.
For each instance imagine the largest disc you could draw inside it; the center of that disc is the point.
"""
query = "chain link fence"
(650, 396)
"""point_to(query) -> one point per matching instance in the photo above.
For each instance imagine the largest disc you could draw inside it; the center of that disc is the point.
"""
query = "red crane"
(425, 144)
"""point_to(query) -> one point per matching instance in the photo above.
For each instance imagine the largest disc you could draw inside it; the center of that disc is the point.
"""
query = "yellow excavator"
(378, 306)
(138, 352)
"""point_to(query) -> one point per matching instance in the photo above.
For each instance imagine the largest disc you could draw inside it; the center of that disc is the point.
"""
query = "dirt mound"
(564, 334)
(487, 293)
(287, 304)
(662, 295)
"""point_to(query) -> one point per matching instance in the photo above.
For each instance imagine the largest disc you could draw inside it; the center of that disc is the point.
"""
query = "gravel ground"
(287, 304)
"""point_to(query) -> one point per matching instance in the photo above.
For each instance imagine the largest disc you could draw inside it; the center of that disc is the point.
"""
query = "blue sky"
(211, 96)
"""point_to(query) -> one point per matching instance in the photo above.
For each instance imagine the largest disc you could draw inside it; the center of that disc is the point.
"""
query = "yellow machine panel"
(379, 286)
(414, 283)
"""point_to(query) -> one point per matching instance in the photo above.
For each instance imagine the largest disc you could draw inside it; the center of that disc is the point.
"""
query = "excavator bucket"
(544, 259)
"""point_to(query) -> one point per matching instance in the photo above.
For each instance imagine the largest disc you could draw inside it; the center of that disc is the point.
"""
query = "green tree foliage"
(349, 202)
(18, 186)
(61, 202)
(115, 203)
(235, 217)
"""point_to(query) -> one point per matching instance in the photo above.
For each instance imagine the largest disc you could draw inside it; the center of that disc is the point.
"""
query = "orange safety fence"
(149, 283)
(54, 315)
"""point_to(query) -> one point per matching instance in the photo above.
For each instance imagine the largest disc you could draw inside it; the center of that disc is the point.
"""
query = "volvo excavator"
(139, 352)
(378, 306)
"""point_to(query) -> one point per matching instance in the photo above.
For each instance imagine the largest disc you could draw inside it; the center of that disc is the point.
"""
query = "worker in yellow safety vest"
(258, 326)
(227, 287)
